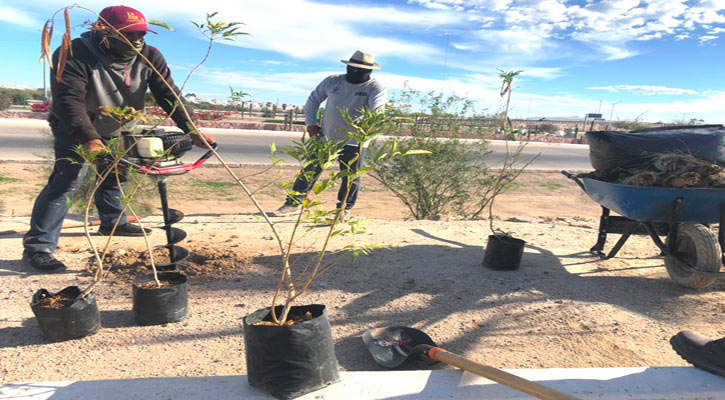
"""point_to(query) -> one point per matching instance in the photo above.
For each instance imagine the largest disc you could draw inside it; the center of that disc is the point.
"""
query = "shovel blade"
(394, 346)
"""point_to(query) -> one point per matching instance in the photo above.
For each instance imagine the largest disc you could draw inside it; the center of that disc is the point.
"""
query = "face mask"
(357, 75)
(120, 50)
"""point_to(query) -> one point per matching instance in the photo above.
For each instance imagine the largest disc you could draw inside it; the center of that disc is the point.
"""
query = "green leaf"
(161, 24)
(416, 151)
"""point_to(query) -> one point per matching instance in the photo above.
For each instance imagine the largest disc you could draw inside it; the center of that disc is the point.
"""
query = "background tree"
(5, 102)
(238, 97)
(21, 96)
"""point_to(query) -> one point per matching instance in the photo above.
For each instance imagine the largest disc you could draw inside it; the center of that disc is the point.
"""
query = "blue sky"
(657, 60)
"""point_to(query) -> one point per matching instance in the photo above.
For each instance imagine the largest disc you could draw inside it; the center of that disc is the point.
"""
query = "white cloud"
(18, 16)
(646, 90)
(434, 5)
(613, 52)
(305, 29)
(516, 31)
(484, 35)
(292, 83)
(707, 38)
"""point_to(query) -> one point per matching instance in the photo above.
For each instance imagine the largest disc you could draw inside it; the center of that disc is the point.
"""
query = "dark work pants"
(50, 206)
(301, 184)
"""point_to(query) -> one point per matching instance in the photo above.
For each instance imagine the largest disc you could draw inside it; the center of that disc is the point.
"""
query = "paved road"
(30, 140)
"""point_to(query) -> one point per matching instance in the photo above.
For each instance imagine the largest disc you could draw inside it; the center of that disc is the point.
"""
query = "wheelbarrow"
(692, 252)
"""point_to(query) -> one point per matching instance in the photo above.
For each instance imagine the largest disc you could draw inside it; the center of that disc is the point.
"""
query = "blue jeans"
(50, 206)
(301, 184)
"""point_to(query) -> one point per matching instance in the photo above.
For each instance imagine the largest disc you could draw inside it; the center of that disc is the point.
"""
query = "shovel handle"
(66, 226)
(502, 377)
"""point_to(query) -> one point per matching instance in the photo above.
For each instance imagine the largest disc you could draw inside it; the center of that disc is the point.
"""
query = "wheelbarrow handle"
(494, 374)
(575, 179)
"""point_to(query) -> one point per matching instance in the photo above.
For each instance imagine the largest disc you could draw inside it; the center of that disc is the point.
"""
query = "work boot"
(701, 351)
(344, 215)
(123, 230)
(285, 210)
(43, 262)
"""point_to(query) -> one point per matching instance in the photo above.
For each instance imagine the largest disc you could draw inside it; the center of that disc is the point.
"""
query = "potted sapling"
(289, 348)
(503, 250)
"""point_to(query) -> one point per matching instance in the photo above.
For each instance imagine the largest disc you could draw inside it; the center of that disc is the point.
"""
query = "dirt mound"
(122, 266)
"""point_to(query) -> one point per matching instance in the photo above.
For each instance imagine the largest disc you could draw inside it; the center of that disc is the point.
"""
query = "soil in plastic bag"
(65, 315)
(290, 361)
(154, 305)
(613, 149)
(503, 252)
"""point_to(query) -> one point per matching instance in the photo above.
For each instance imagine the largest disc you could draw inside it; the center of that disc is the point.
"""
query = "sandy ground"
(563, 308)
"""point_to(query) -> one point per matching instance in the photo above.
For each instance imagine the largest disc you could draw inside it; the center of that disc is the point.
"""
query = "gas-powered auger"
(156, 153)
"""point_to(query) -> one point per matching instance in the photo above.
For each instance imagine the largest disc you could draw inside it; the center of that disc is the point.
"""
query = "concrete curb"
(666, 383)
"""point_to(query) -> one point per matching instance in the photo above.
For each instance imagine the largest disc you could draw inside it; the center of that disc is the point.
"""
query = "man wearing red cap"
(104, 71)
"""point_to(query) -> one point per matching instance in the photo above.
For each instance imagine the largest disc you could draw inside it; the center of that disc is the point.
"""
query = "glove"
(315, 132)
(200, 143)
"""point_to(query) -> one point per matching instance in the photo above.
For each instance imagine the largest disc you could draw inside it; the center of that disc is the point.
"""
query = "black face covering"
(357, 75)
(116, 49)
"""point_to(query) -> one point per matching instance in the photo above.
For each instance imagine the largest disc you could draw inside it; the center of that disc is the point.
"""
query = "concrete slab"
(587, 383)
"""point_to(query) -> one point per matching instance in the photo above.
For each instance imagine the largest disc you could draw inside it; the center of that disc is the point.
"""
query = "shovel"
(393, 346)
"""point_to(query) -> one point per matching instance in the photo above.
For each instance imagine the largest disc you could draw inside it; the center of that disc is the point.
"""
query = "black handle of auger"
(206, 156)
(575, 179)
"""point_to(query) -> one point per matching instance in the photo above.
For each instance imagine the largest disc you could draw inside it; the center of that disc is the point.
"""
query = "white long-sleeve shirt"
(349, 96)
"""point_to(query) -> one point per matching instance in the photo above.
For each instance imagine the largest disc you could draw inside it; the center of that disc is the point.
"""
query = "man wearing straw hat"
(351, 91)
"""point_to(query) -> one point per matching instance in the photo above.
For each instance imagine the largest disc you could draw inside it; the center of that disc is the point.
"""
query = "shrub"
(546, 127)
(629, 125)
(443, 182)
(19, 96)
(5, 102)
(40, 107)
(455, 178)
(209, 115)
(155, 110)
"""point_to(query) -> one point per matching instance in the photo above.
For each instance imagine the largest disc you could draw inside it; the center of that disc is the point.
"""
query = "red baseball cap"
(125, 19)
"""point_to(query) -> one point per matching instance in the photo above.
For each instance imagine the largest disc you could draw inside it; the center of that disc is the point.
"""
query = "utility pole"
(45, 89)
(611, 112)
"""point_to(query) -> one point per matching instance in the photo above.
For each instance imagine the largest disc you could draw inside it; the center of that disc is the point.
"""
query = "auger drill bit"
(177, 254)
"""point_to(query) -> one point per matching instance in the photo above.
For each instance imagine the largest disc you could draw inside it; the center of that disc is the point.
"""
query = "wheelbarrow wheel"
(699, 247)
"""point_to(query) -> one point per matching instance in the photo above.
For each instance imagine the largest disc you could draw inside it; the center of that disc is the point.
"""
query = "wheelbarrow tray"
(654, 204)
